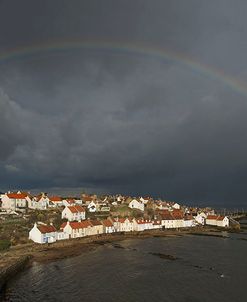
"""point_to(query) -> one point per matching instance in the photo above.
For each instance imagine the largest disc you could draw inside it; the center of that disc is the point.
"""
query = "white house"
(97, 227)
(122, 224)
(223, 221)
(145, 224)
(92, 207)
(135, 204)
(176, 206)
(200, 218)
(15, 201)
(40, 202)
(178, 218)
(42, 233)
(139, 225)
(78, 201)
(55, 201)
(73, 213)
(167, 221)
(188, 221)
(119, 199)
(217, 220)
(87, 199)
(157, 224)
(76, 229)
(162, 205)
(211, 220)
(69, 202)
(61, 235)
(144, 200)
(108, 226)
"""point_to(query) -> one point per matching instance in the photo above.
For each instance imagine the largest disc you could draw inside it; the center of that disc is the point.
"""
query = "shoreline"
(23, 256)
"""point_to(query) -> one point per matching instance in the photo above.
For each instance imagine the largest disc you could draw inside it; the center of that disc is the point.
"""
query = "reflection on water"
(207, 269)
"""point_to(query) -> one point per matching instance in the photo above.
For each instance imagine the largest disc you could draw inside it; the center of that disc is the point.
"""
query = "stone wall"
(9, 271)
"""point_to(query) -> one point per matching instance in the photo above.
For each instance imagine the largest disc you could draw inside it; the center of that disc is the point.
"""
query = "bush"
(4, 244)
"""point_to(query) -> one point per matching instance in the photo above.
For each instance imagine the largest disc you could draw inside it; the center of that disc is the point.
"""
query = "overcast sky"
(118, 122)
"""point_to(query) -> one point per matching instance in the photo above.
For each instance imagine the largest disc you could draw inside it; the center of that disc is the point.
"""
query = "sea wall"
(12, 269)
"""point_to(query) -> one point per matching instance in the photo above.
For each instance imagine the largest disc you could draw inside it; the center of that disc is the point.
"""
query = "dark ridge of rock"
(118, 246)
(164, 256)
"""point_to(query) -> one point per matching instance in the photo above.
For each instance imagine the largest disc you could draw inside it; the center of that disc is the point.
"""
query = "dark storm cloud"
(118, 122)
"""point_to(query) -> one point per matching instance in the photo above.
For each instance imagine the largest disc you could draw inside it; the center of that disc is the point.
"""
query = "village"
(92, 215)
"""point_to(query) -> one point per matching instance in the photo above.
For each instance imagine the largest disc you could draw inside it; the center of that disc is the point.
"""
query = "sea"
(173, 269)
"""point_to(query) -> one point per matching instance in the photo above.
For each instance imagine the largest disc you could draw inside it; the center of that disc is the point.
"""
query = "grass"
(4, 244)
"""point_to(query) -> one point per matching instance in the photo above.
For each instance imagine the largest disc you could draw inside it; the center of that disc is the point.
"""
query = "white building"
(42, 233)
(40, 202)
(55, 201)
(97, 227)
(188, 221)
(167, 221)
(108, 226)
(122, 224)
(69, 202)
(61, 235)
(92, 207)
(75, 229)
(144, 200)
(221, 221)
(139, 225)
(15, 201)
(144, 224)
(135, 204)
(176, 206)
(200, 218)
(74, 213)
(157, 224)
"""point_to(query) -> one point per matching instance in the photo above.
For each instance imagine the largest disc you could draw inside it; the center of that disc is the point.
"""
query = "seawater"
(206, 269)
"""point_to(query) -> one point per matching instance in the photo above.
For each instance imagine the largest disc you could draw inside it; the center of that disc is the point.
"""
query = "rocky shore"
(21, 256)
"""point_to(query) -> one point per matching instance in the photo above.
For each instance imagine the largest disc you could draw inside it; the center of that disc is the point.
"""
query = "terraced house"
(16, 201)
(74, 213)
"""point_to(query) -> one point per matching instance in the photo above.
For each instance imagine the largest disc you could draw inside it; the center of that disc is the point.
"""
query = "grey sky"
(117, 122)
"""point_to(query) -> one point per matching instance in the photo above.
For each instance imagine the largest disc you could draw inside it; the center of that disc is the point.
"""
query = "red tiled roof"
(17, 196)
(188, 217)
(95, 222)
(76, 209)
(156, 222)
(46, 228)
(55, 198)
(121, 220)
(77, 225)
(63, 225)
(221, 218)
(177, 214)
(71, 201)
(140, 221)
(87, 198)
(212, 217)
(107, 223)
(167, 216)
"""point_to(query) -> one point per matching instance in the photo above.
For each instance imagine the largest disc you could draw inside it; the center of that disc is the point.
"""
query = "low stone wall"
(9, 271)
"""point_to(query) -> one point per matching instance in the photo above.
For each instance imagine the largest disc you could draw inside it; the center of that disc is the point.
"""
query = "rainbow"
(129, 49)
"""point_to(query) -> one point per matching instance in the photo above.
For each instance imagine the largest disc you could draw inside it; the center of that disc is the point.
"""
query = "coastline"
(23, 256)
